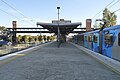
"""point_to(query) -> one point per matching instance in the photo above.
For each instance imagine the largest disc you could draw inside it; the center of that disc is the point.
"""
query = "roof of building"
(64, 27)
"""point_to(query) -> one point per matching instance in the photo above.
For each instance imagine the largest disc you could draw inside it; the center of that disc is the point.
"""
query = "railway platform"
(48, 62)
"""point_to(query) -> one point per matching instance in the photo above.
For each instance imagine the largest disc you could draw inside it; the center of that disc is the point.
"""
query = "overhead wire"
(102, 9)
(114, 4)
(9, 14)
(16, 11)
(117, 10)
(13, 8)
(13, 15)
(108, 6)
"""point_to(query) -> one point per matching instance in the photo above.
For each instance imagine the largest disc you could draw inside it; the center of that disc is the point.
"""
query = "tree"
(2, 28)
(19, 38)
(48, 38)
(52, 37)
(109, 17)
(30, 39)
(24, 38)
(40, 38)
(36, 38)
(44, 37)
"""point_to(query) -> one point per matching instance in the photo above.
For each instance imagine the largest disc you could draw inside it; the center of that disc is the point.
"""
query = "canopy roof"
(65, 28)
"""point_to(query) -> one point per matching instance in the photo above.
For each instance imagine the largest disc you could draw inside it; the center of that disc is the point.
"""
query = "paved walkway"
(52, 63)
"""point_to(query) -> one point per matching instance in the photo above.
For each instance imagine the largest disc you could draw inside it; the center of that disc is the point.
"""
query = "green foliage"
(40, 38)
(24, 39)
(52, 38)
(44, 37)
(48, 38)
(19, 38)
(29, 38)
(2, 28)
(35, 38)
(109, 17)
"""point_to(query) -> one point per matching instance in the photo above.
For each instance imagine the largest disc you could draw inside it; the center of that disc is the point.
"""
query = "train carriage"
(88, 40)
(111, 42)
(81, 39)
(105, 42)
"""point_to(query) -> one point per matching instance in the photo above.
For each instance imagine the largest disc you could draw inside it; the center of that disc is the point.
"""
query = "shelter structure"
(61, 28)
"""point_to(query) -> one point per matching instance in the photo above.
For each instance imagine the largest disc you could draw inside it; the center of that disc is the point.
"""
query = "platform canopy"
(64, 27)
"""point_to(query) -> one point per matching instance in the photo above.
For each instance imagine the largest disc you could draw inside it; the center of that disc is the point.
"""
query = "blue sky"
(46, 11)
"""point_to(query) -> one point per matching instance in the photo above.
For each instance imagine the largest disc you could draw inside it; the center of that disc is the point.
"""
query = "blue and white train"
(106, 41)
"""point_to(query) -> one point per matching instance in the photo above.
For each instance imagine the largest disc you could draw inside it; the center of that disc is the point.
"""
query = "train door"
(96, 42)
(90, 42)
(108, 43)
(81, 39)
(86, 41)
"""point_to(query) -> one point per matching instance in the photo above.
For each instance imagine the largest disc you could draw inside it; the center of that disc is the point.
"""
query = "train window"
(85, 38)
(95, 38)
(90, 38)
(81, 38)
(108, 39)
(119, 39)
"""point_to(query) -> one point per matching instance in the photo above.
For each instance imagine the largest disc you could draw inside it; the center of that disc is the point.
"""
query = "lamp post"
(40, 30)
(58, 35)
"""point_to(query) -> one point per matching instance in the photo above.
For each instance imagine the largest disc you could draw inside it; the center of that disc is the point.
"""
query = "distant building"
(62, 21)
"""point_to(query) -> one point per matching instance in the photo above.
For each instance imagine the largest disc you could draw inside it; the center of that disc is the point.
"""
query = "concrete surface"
(113, 64)
(52, 63)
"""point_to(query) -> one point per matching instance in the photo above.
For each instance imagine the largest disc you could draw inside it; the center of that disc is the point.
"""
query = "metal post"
(101, 38)
(58, 36)
(40, 35)
(40, 31)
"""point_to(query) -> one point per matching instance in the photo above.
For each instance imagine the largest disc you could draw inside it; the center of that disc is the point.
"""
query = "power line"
(103, 9)
(98, 14)
(15, 10)
(114, 4)
(117, 10)
(13, 15)
(114, 11)
(9, 14)
(111, 6)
